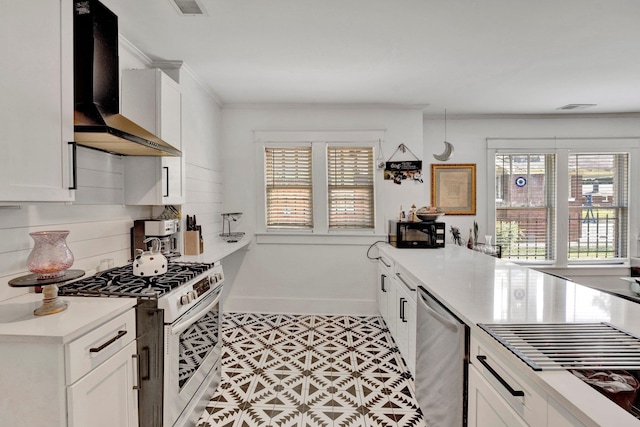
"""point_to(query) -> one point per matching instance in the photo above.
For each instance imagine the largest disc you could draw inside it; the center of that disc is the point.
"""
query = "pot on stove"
(150, 263)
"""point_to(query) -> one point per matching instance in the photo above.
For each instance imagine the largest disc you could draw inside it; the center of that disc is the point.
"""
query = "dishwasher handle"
(433, 308)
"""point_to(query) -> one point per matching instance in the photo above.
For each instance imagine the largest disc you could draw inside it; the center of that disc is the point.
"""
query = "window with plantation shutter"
(350, 179)
(289, 188)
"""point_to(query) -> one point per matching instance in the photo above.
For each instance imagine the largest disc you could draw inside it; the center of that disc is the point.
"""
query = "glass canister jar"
(50, 256)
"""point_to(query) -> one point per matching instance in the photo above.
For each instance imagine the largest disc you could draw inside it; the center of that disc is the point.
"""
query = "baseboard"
(301, 306)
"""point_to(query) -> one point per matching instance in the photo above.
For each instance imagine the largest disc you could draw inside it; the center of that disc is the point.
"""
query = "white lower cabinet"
(406, 324)
(89, 381)
(106, 397)
(101, 375)
(499, 394)
(486, 407)
(383, 288)
(557, 416)
(397, 305)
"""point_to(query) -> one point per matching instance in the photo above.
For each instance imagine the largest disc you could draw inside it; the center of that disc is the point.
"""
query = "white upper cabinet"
(36, 101)
(153, 100)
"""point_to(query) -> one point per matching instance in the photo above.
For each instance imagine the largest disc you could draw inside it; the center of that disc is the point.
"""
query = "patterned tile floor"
(311, 371)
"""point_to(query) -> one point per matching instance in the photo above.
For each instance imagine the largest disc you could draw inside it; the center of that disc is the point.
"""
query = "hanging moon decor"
(446, 154)
(448, 147)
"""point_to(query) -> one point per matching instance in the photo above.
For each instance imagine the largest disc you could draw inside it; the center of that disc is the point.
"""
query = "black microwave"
(427, 234)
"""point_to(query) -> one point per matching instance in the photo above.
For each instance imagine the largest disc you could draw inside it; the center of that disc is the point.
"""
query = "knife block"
(192, 243)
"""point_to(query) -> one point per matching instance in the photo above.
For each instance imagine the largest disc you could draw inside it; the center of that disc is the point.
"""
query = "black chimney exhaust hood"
(97, 122)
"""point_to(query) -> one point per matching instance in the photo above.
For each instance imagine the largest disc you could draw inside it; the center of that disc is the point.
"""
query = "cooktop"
(120, 282)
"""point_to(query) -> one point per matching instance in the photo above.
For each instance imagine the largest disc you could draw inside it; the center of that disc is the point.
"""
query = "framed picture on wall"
(453, 188)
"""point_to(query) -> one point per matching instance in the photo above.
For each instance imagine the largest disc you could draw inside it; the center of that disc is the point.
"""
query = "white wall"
(468, 135)
(202, 148)
(301, 278)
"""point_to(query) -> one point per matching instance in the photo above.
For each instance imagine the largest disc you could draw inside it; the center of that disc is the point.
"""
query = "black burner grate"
(120, 282)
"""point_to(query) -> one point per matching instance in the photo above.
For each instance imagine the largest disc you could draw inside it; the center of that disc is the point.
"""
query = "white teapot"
(150, 263)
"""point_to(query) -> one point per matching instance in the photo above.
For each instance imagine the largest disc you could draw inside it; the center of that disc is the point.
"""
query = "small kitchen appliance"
(419, 235)
(178, 335)
(166, 230)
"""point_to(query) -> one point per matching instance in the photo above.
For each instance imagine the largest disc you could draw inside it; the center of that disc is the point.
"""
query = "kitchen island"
(480, 289)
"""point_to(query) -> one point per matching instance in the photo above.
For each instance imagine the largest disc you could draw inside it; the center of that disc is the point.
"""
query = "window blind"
(598, 214)
(350, 176)
(525, 206)
(289, 191)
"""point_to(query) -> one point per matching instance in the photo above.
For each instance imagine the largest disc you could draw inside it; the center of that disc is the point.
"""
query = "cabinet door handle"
(145, 362)
(166, 173)
(382, 277)
(383, 261)
(108, 343)
(402, 302)
(514, 393)
(404, 282)
(136, 374)
(74, 165)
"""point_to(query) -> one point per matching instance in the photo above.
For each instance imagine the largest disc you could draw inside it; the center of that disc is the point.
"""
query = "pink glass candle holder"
(50, 256)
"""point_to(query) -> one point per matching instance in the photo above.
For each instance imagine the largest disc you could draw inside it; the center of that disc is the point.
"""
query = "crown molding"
(321, 106)
(532, 116)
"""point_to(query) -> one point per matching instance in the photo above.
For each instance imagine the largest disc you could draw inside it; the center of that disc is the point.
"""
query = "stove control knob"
(192, 295)
(185, 299)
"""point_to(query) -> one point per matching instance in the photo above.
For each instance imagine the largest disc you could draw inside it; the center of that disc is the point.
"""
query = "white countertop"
(19, 324)
(216, 250)
(482, 289)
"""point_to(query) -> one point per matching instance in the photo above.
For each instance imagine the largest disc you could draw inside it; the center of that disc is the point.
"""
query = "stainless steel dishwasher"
(442, 356)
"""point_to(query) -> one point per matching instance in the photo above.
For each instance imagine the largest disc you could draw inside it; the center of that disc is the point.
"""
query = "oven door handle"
(180, 327)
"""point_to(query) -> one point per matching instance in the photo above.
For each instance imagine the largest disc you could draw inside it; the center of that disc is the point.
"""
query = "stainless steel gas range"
(178, 335)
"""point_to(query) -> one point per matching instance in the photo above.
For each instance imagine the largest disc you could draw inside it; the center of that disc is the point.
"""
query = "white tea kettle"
(150, 263)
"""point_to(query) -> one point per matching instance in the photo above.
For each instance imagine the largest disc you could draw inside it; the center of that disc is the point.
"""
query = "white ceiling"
(466, 56)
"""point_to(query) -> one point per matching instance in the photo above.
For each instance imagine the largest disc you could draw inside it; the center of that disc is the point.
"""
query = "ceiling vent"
(188, 7)
(576, 106)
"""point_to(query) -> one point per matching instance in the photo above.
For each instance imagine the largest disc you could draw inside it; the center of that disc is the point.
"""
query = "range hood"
(97, 122)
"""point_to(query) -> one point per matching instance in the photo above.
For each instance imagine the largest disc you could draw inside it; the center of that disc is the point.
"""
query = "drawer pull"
(404, 282)
(514, 393)
(402, 303)
(382, 277)
(136, 375)
(383, 261)
(108, 343)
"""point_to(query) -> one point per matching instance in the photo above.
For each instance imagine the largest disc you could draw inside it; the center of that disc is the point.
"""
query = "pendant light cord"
(445, 124)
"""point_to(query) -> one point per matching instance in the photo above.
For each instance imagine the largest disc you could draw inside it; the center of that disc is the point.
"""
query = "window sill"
(354, 239)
